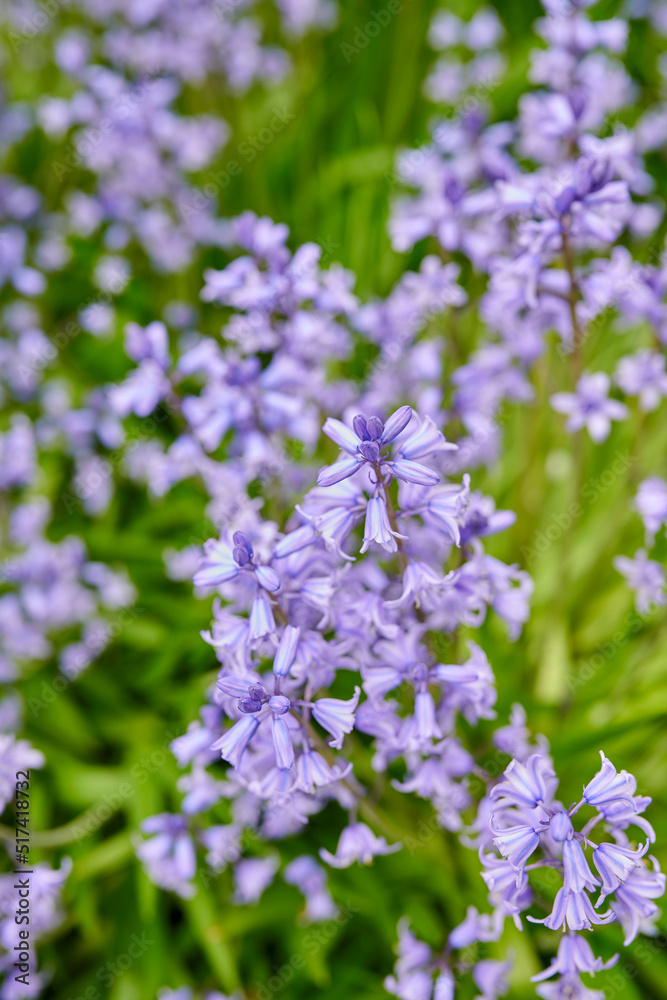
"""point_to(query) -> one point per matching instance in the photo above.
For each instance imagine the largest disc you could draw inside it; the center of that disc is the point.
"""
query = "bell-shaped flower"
(262, 623)
(233, 743)
(282, 738)
(575, 955)
(573, 910)
(609, 786)
(516, 843)
(377, 527)
(218, 565)
(425, 440)
(336, 716)
(577, 875)
(413, 472)
(528, 784)
(357, 843)
(284, 658)
(615, 864)
(633, 904)
(251, 877)
(335, 473)
(425, 720)
(169, 855)
(312, 772)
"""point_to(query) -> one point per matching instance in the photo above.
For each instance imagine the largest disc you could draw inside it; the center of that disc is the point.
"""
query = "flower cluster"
(341, 638)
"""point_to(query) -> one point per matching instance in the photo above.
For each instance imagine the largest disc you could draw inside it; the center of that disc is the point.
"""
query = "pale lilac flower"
(590, 406)
(378, 528)
(251, 877)
(357, 843)
(15, 755)
(310, 879)
(643, 374)
(526, 785)
(651, 502)
(633, 905)
(615, 864)
(645, 577)
(286, 652)
(234, 742)
(169, 855)
(609, 787)
(336, 716)
(574, 956)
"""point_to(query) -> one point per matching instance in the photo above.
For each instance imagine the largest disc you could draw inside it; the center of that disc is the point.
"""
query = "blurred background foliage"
(590, 672)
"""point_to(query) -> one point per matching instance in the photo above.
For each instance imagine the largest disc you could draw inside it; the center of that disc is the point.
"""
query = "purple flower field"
(333, 500)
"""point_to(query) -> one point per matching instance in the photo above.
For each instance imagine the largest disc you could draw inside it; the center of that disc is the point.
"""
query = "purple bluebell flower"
(633, 904)
(609, 787)
(614, 864)
(252, 876)
(490, 977)
(645, 577)
(377, 528)
(310, 879)
(516, 843)
(169, 855)
(643, 374)
(369, 435)
(336, 716)
(590, 406)
(357, 843)
(574, 957)
(529, 785)
(651, 502)
(287, 647)
(234, 742)
(282, 739)
(15, 755)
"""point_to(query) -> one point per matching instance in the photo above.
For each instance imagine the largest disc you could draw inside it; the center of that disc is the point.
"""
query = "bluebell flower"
(574, 957)
(378, 528)
(169, 855)
(357, 843)
(516, 843)
(282, 739)
(234, 742)
(251, 877)
(615, 864)
(313, 772)
(310, 878)
(645, 577)
(590, 406)
(336, 716)
(529, 784)
(365, 441)
(286, 652)
(610, 787)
